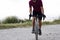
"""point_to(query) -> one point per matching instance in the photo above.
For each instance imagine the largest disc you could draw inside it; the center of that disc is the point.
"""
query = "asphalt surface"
(49, 32)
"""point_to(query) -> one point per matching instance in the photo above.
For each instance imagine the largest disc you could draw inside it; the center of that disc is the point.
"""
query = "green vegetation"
(14, 22)
(15, 25)
(57, 21)
(47, 23)
(11, 19)
(0, 22)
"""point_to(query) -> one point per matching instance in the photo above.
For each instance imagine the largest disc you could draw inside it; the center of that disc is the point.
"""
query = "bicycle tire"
(36, 33)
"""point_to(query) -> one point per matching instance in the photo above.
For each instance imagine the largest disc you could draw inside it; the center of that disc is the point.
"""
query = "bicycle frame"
(36, 24)
(36, 28)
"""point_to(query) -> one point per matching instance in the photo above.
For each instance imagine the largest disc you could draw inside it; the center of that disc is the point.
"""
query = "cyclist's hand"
(44, 16)
(29, 16)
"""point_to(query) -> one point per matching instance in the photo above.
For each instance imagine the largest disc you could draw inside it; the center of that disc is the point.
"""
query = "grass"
(15, 25)
(25, 24)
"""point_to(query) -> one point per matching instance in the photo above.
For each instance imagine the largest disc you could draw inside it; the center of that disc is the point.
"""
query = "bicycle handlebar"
(37, 16)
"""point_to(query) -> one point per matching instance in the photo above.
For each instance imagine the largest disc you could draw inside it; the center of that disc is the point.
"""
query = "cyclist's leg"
(40, 23)
(40, 20)
(33, 21)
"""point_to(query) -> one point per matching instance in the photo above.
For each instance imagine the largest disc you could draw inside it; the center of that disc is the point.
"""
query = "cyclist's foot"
(40, 32)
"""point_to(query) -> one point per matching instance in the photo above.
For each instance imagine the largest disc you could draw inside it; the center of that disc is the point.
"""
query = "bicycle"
(36, 28)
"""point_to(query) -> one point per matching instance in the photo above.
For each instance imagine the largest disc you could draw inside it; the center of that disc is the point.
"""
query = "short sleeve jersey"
(36, 5)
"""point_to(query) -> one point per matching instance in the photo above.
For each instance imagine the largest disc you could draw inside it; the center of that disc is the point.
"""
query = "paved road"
(49, 32)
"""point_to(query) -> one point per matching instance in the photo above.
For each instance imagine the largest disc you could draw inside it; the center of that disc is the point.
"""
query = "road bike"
(36, 28)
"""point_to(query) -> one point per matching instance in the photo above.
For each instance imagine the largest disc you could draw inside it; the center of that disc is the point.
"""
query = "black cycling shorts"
(37, 13)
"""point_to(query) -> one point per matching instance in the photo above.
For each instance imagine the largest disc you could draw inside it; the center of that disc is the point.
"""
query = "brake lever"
(44, 16)
(29, 16)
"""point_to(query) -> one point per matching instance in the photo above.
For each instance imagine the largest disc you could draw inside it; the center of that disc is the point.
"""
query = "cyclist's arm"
(30, 9)
(42, 9)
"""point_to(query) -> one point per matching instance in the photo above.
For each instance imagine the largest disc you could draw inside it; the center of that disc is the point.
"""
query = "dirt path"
(49, 32)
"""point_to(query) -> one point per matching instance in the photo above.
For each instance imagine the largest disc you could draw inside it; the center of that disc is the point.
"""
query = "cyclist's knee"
(40, 21)
(33, 20)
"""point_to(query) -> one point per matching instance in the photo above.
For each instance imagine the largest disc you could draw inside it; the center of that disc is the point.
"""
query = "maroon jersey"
(36, 5)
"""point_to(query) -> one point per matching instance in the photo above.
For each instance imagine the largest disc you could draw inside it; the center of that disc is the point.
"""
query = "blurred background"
(17, 11)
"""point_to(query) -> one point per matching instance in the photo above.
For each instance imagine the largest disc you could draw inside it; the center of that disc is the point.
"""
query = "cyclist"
(37, 7)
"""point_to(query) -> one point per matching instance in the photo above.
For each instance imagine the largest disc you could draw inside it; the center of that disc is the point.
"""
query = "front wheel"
(36, 33)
